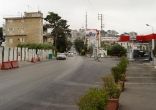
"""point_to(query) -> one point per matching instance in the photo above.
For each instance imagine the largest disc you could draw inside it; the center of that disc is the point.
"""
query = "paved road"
(51, 85)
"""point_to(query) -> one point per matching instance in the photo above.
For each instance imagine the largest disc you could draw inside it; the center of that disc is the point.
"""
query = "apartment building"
(77, 34)
(24, 29)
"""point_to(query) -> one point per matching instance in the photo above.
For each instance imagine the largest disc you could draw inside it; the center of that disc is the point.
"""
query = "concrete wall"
(6, 54)
(22, 54)
(11, 54)
(1, 49)
(15, 53)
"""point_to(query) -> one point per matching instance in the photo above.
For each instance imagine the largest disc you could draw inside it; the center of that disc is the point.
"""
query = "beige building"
(24, 29)
(47, 37)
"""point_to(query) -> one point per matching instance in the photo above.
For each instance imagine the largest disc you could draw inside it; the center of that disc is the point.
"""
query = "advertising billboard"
(92, 33)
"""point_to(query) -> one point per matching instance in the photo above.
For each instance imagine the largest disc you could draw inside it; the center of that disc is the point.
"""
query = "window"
(10, 40)
(10, 20)
(22, 30)
(21, 39)
(10, 29)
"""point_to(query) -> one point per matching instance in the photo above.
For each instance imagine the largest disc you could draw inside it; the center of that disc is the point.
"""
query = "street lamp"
(152, 39)
(150, 26)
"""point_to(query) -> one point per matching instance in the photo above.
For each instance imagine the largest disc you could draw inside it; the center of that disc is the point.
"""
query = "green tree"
(60, 30)
(116, 49)
(1, 36)
(79, 45)
(90, 50)
(69, 45)
(104, 45)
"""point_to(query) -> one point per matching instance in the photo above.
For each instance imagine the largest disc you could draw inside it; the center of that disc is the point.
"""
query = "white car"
(70, 54)
(61, 56)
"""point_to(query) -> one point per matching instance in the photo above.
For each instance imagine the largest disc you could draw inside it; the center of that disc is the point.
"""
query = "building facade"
(24, 29)
(77, 34)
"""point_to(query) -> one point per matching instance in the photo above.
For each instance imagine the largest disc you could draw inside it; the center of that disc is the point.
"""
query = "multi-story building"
(47, 37)
(111, 33)
(77, 34)
(24, 29)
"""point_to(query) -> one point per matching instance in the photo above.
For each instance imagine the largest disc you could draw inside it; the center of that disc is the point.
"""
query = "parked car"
(70, 54)
(66, 53)
(74, 52)
(61, 56)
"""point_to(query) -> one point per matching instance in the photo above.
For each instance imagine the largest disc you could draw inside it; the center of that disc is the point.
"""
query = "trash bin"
(50, 56)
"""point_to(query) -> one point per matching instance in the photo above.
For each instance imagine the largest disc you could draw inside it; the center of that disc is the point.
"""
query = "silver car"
(70, 54)
(61, 56)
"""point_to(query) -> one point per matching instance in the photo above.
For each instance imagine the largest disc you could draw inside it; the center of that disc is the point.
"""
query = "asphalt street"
(58, 84)
(52, 84)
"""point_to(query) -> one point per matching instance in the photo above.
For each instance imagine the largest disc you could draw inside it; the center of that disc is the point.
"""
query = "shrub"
(123, 66)
(116, 49)
(122, 77)
(116, 71)
(94, 99)
(111, 87)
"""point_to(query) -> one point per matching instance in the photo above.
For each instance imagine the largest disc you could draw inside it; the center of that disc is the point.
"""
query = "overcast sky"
(119, 15)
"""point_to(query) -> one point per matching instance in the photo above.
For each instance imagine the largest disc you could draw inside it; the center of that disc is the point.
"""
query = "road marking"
(142, 83)
(139, 77)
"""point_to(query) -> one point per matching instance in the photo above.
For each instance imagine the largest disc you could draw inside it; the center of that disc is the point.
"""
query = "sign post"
(93, 35)
(132, 38)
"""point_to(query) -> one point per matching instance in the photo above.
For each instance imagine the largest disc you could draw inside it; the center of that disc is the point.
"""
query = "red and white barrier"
(6, 65)
(14, 64)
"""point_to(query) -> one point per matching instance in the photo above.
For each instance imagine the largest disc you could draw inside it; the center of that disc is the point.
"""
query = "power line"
(89, 6)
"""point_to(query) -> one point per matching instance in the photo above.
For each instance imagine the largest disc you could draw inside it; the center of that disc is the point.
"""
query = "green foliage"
(36, 46)
(116, 71)
(94, 99)
(123, 77)
(90, 50)
(69, 45)
(1, 36)
(113, 89)
(123, 64)
(1, 32)
(60, 30)
(79, 45)
(83, 52)
(123, 59)
(116, 49)
(104, 46)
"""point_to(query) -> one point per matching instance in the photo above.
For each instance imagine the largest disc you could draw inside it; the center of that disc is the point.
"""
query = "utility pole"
(100, 17)
(86, 20)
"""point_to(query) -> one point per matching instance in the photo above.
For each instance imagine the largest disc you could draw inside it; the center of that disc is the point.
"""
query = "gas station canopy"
(139, 37)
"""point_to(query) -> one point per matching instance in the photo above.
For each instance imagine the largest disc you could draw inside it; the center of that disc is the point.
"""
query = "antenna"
(29, 7)
(82, 26)
(86, 20)
(19, 13)
(38, 7)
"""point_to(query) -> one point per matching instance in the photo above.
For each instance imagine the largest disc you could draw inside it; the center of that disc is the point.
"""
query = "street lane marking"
(142, 83)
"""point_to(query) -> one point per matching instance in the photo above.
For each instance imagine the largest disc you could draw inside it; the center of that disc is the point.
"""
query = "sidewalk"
(140, 87)
(24, 63)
